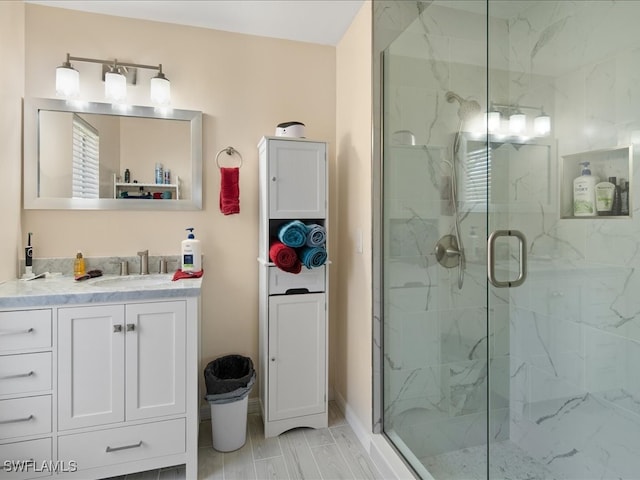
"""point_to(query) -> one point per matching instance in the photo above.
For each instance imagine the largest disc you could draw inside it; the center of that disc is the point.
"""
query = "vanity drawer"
(280, 281)
(124, 444)
(25, 416)
(21, 329)
(36, 451)
(23, 373)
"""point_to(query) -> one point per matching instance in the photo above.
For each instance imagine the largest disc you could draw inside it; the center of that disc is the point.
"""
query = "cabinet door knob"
(273, 359)
(117, 328)
(273, 179)
(131, 327)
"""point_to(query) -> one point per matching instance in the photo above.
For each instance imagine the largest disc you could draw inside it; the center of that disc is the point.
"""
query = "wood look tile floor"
(332, 453)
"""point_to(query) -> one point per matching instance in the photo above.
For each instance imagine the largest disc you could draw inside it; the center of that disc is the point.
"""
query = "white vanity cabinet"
(26, 383)
(124, 367)
(120, 362)
(293, 324)
(99, 381)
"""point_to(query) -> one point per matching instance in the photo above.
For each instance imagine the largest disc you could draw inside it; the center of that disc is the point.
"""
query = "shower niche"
(611, 162)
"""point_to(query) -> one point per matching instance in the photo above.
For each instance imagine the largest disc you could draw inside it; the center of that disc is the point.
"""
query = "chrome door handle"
(117, 328)
(491, 258)
(131, 327)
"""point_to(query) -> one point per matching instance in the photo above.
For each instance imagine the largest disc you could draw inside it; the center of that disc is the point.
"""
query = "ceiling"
(315, 21)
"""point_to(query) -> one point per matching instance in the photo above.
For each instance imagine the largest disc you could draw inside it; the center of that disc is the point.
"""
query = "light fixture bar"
(160, 85)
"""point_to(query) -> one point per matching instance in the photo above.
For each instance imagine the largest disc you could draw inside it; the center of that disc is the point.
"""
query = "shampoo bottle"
(584, 193)
(191, 253)
(624, 197)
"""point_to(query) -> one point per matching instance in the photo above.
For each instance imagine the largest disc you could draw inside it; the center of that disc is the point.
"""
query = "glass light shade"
(493, 121)
(542, 125)
(517, 123)
(115, 87)
(160, 90)
(67, 81)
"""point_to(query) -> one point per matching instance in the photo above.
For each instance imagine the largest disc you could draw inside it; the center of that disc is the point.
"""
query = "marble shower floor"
(508, 462)
(332, 453)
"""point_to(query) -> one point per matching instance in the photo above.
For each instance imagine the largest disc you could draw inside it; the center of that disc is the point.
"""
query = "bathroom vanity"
(98, 378)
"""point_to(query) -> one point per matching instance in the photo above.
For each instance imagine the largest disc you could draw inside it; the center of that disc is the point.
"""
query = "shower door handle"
(491, 258)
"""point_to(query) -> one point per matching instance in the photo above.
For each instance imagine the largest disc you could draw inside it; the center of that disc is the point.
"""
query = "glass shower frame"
(559, 352)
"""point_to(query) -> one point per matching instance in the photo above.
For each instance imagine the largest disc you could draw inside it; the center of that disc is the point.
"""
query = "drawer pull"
(16, 420)
(131, 327)
(18, 375)
(16, 332)
(117, 328)
(125, 447)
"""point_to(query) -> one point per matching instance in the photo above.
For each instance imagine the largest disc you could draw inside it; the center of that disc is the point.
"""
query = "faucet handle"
(144, 252)
(163, 265)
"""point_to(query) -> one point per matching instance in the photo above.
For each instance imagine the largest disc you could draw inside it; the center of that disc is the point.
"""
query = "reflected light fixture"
(517, 122)
(493, 121)
(115, 82)
(542, 124)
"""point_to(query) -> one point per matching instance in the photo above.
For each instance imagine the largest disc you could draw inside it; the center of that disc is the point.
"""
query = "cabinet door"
(90, 366)
(297, 179)
(297, 355)
(156, 359)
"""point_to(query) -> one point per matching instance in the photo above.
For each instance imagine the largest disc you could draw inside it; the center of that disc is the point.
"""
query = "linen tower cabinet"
(293, 308)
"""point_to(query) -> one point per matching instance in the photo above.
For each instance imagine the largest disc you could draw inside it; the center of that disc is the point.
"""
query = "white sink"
(133, 281)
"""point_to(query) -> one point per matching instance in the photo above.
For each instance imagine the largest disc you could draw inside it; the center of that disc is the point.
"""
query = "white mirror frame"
(32, 200)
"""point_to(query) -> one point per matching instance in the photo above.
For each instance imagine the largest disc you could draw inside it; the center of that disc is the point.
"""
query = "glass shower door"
(434, 283)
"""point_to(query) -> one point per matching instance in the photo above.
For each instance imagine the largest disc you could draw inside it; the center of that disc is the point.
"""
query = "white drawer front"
(124, 444)
(25, 416)
(22, 329)
(35, 452)
(311, 280)
(30, 372)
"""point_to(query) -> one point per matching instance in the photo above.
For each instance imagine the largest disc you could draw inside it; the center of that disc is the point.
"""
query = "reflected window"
(86, 156)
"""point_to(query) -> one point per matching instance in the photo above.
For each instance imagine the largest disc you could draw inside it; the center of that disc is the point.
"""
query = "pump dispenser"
(191, 253)
(584, 193)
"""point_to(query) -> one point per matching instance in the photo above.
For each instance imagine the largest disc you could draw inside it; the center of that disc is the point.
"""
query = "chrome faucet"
(144, 262)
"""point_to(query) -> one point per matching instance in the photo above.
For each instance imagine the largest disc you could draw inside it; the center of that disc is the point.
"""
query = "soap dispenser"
(191, 253)
(584, 193)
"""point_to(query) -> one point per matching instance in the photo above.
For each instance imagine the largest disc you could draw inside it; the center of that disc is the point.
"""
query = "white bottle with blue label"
(584, 193)
(191, 253)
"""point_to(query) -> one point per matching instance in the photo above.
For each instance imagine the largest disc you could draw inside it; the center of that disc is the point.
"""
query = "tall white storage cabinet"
(293, 307)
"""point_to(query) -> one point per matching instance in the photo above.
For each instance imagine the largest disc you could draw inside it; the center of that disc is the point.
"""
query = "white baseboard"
(378, 448)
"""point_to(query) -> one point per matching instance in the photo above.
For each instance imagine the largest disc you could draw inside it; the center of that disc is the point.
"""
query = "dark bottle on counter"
(624, 197)
(127, 176)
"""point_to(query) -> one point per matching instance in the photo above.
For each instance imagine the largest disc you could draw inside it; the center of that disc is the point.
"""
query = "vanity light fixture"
(493, 120)
(517, 122)
(115, 82)
(542, 124)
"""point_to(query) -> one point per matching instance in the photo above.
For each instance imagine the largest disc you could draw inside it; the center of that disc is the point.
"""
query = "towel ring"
(228, 151)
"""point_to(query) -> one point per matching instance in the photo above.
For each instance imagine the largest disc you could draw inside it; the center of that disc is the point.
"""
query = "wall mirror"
(76, 156)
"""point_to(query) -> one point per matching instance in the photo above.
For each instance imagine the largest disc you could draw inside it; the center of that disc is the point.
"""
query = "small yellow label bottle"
(78, 265)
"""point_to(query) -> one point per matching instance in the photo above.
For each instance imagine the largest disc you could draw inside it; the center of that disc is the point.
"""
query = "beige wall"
(352, 323)
(245, 86)
(11, 92)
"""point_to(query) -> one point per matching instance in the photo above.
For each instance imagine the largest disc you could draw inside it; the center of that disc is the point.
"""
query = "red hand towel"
(229, 190)
(284, 257)
(180, 274)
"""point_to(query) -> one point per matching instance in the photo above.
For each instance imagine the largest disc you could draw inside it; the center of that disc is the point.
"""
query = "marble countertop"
(65, 290)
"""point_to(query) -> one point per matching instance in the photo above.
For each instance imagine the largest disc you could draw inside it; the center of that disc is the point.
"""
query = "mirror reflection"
(95, 157)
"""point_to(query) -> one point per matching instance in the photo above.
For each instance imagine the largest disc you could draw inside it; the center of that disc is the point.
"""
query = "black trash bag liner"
(228, 373)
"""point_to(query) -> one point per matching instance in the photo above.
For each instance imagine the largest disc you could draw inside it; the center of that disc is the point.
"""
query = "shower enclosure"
(509, 328)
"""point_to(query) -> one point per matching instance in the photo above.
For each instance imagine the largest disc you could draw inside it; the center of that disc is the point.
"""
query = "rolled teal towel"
(293, 234)
(316, 235)
(312, 257)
